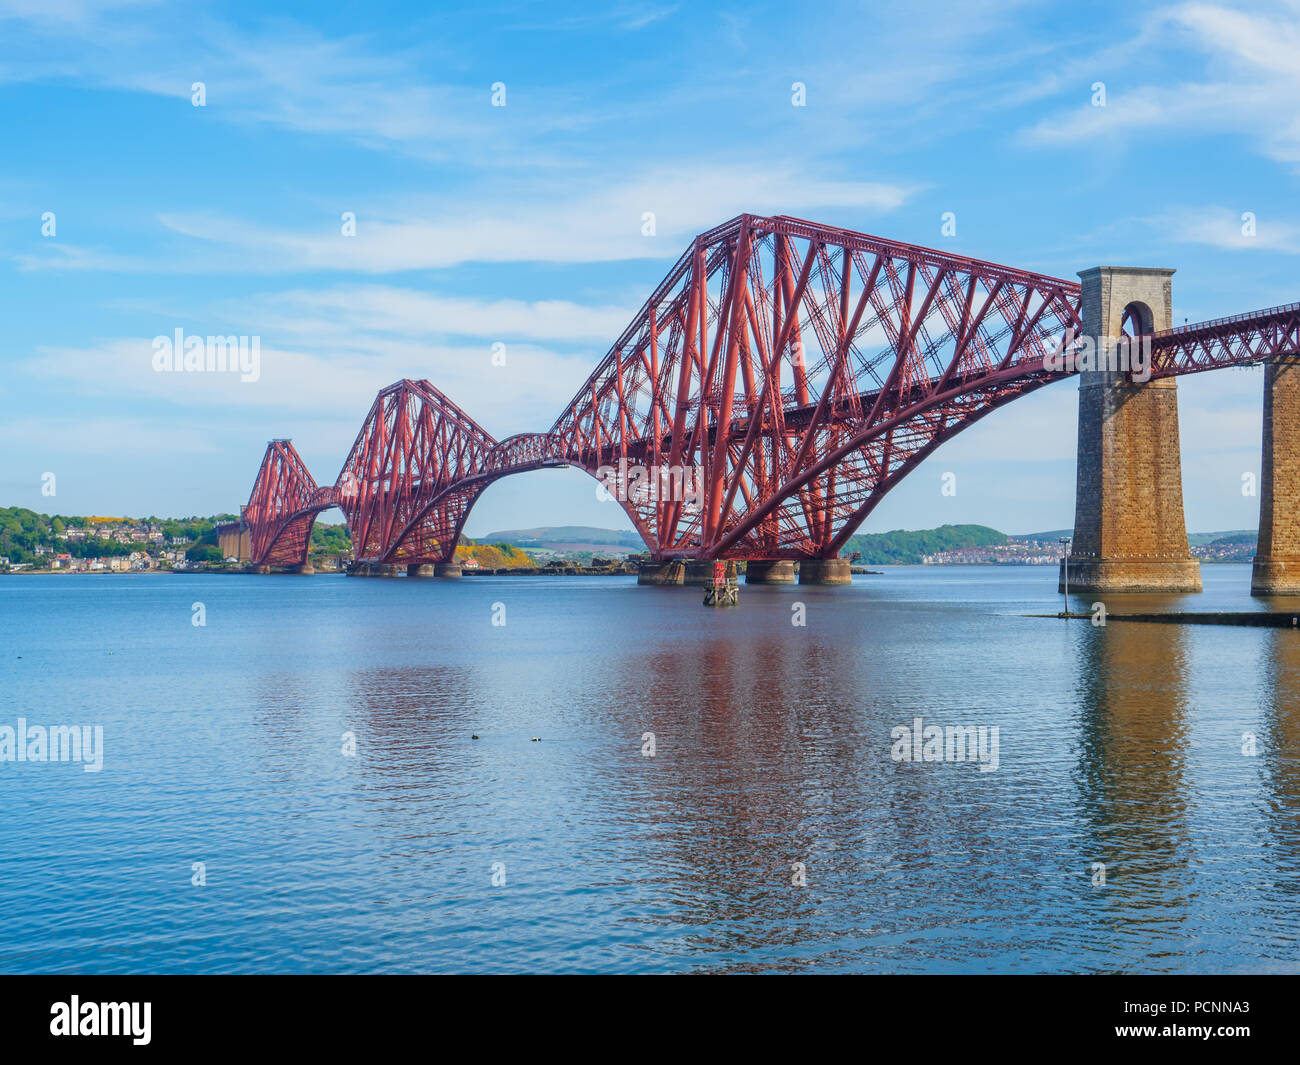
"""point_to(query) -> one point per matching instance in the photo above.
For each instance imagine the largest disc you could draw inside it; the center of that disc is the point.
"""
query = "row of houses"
(1021, 552)
(121, 534)
(136, 560)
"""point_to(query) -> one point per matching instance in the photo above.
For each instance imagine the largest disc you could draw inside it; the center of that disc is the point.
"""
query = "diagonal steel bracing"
(798, 370)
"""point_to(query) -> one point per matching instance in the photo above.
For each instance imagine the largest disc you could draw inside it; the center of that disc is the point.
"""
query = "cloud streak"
(1250, 83)
(600, 223)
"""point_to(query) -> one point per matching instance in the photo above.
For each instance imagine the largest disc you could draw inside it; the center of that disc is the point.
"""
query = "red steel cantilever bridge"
(804, 370)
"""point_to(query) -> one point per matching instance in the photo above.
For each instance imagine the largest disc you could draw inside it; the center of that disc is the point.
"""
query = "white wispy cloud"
(285, 74)
(628, 17)
(1249, 82)
(75, 12)
(601, 224)
(1228, 229)
(325, 353)
(597, 223)
(377, 312)
(59, 255)
(94, 436)
(527, 393)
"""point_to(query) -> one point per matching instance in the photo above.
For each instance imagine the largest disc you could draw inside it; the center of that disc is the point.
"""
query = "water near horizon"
(1120, 745)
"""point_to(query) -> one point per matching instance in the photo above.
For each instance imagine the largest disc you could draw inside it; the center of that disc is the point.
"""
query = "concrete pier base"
(770, 571)
(419, 569)
(1277, 554)
(375, 569)
(1097, 576)
(699, 572)
(260, 569)
(306, 568)
(824, 571)
(661, 573)
(447, 569)
(1273, 576)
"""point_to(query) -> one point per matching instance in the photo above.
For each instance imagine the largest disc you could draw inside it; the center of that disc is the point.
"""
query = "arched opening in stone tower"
(1137, 320)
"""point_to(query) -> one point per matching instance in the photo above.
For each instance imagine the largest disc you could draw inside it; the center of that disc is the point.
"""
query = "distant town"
(43, 543)
(1044, 549)
(54, 543)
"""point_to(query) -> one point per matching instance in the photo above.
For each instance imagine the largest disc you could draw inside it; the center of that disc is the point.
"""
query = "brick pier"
(1277, 556)
(1129, 530)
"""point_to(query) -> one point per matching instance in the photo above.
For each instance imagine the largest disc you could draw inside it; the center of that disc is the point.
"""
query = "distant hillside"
(568, 538)
(1224, 547)
(499, 555)
(1193, 539)
(903, 547)
(1237, 536)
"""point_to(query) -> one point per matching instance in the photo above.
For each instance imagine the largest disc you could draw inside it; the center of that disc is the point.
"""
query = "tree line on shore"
(24, 531)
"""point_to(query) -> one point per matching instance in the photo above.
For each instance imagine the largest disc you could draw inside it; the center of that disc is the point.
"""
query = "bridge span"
(790, 374)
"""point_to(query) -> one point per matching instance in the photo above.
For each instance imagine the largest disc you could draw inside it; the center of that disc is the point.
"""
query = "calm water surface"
(1120, 745)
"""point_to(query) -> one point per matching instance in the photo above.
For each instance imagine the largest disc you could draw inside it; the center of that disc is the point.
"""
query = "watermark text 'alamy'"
(220, 354)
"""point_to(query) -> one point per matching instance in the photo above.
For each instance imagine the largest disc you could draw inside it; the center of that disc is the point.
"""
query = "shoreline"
(1268, 619)
(243, 571)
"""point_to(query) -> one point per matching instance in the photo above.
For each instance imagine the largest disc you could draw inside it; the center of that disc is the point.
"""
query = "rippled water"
(223, 745)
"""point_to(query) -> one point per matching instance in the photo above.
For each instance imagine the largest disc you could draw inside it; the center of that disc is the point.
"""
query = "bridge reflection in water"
(1279, 747)
(1133, 728)
(772, 760)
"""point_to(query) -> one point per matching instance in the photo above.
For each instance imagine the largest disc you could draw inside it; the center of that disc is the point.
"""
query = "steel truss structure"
(791, 372)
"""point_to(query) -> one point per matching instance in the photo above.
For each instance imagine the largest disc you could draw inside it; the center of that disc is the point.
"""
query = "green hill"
(1236, 536)
(558, 537)
(1193, 539)
(1045, 537)
(903, 547)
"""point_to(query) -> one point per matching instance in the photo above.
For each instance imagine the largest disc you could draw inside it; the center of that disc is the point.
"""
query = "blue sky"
(522, 224)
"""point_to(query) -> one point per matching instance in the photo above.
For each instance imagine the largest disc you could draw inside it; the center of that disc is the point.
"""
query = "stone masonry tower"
(1277, 556)
(1129, 530)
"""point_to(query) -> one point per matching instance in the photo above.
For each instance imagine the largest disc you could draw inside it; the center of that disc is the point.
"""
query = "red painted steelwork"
(801, 370)
(283, 506)
(1237, 341)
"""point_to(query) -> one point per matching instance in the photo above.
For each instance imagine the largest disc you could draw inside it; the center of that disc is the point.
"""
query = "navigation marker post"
(1065, 564)
(724, 590)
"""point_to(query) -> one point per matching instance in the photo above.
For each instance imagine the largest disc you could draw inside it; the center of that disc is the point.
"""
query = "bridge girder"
(801, 371)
